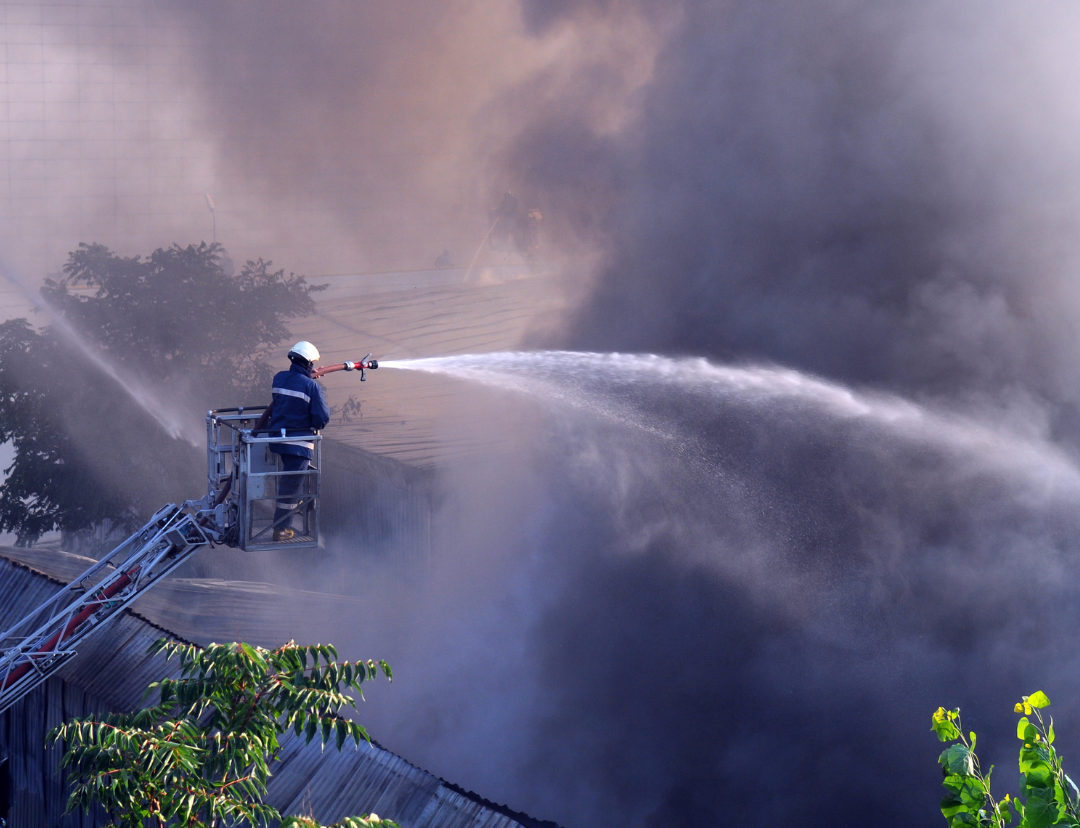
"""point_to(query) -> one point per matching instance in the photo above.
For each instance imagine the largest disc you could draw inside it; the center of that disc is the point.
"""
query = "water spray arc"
(479, 247)
(139, 394)
(591, 381)
(834, 516)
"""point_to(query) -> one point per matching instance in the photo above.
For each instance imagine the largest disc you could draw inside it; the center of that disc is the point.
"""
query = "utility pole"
(213, 212)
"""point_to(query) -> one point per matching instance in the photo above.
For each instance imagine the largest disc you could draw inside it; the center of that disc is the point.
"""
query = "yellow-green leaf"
(1038, 699)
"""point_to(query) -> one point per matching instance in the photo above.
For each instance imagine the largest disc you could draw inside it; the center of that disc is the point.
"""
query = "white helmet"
(305, 350)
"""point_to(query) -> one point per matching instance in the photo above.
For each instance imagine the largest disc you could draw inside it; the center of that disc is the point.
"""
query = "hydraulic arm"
(40, 644)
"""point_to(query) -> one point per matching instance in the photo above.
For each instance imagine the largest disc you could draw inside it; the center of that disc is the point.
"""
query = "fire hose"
(366, 362)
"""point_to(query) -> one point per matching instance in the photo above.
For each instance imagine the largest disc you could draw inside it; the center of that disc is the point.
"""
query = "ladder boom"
(43, 641)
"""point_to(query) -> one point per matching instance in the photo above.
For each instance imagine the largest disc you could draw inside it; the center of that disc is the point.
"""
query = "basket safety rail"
(246, 485)
(43, 641)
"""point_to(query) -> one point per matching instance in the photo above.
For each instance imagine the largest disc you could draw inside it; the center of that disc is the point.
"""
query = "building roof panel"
(401, 411)
(114, 667)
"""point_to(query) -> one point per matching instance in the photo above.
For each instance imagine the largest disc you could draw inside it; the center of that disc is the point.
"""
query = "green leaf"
(358, 733)
(1024, 728)
(1038, 699)
(1040, 811)
(957, 759)
(342, 731)
(940, 724)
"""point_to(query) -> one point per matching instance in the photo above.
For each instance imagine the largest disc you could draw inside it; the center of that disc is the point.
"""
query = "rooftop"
(419, 314)
(114, 667)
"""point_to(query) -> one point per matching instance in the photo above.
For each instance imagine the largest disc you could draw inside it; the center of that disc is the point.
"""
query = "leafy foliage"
(1048, 797)
(51, 483)
(178, 312)
(201, 755)
(177, 321)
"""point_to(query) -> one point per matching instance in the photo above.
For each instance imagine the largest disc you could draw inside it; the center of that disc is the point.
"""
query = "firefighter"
(299, 407)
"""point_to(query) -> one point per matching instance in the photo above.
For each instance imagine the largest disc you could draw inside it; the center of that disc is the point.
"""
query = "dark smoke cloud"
(844, 189)
(327, 103)
(389, 120)
(337, 137)
(750, 624)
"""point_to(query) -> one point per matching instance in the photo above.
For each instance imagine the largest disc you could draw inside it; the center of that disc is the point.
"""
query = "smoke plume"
(746, 614)
(883, 196)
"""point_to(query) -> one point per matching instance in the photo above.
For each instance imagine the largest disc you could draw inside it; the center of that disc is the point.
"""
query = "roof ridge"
(53, 579)
(505, 810)
(518, 816)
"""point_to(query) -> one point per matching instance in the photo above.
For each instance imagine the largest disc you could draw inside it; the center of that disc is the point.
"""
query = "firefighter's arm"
(320, 411)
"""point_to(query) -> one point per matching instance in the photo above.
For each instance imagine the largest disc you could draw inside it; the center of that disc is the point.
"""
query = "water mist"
(608, 385)
(175, 426)
(685, 569)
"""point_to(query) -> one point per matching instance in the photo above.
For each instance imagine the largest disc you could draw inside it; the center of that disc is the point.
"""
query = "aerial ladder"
(243, 477)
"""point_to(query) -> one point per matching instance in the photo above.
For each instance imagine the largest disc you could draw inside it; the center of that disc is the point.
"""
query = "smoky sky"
(883, 196)
(879, 194)
(340, 137)
(748, 620)
(744, 611)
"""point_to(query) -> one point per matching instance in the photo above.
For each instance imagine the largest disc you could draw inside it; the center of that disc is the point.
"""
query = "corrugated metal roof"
(201, 610)
(115, 668)
(401, 411)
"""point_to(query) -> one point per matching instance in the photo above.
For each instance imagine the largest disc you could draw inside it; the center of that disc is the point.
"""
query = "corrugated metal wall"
(111, 672)
(37, 792)
(379, 505)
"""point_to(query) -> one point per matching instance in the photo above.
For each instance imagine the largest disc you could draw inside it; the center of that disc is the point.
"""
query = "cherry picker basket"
(250, 491)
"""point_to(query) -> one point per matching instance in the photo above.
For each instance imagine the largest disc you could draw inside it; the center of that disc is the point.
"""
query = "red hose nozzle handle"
(363, 364)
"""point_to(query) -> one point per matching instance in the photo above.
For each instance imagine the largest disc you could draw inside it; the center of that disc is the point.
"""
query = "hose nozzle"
(363, 365)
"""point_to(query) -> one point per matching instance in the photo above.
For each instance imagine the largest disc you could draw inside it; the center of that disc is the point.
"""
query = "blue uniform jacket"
(300, 408)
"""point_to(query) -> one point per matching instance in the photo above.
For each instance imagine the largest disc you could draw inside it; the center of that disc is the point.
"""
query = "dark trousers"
(287, 486)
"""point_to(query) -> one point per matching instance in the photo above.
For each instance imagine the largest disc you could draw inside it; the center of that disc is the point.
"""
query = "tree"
(179, 313)
(1048, 797)
(201, 756)
(176, 322)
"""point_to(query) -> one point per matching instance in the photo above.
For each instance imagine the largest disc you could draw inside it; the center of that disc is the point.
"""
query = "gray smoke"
(883, 195)
(751, 622)
(746, 613)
